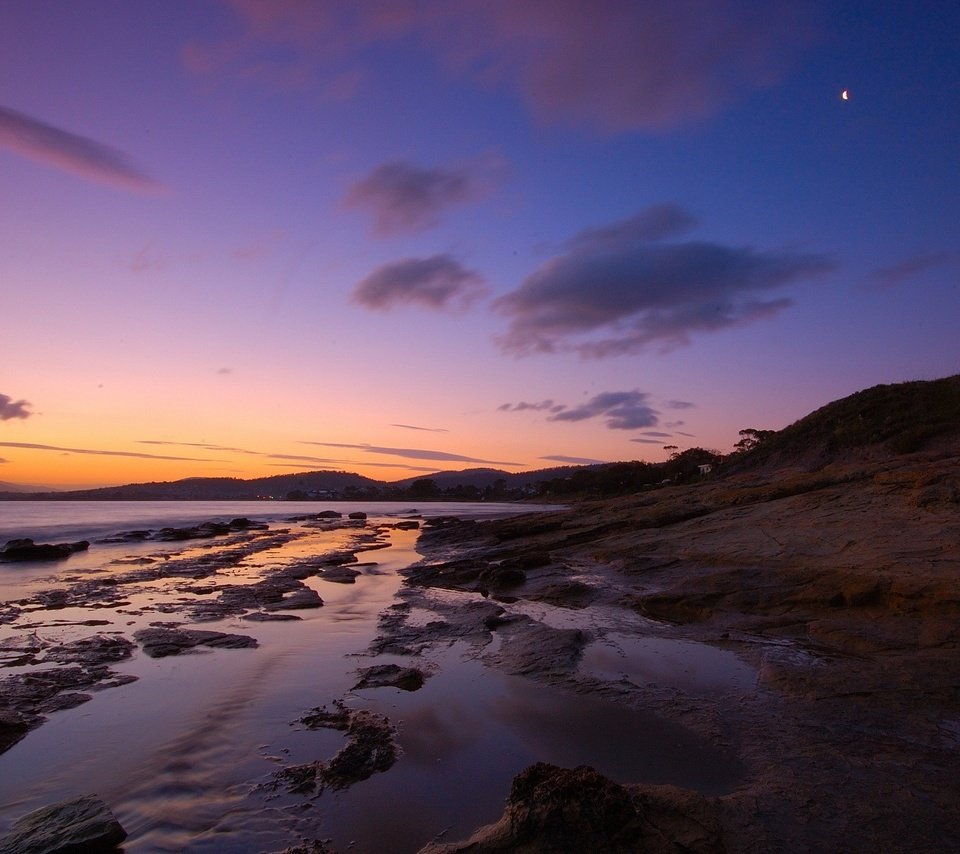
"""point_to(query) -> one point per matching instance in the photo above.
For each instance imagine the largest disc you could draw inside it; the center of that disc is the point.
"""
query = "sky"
(252, 237)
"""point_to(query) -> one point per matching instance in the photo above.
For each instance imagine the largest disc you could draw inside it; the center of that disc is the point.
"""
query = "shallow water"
(181, 754)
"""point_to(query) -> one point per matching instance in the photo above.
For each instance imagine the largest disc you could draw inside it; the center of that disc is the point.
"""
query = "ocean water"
(68, 521)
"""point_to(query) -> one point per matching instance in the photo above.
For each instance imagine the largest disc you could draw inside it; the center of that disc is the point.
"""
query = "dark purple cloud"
(414, 453)
(10, 408)
(32, 447)
(403, 198)
(437, 282)
(679, 404)
(523, 406)
(67, 151)
(610, 65)
(574, 461)
(622, 410)
(656, 434)
(901, 272)
(615, 291)
(648, 441)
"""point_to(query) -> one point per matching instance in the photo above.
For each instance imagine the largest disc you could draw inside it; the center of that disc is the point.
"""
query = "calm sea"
(68, 521)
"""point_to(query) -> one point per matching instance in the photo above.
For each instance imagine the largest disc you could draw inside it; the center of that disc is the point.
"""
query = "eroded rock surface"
(569, 811)
(83, 825)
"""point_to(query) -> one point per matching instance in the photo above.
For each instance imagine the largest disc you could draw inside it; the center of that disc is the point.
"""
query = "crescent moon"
(845, 95)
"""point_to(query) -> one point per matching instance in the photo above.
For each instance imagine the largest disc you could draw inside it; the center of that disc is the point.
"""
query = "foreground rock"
(563, 811)
(82, 825)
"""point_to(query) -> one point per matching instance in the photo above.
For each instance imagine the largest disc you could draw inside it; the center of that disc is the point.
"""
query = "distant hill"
(22, 487)
(219, 488)
(884, 420)
(481, 478)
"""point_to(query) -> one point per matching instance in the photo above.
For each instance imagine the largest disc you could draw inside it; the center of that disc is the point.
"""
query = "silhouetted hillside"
(881, 421)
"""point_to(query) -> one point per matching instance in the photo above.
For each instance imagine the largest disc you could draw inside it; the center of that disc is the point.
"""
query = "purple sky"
(243, 237)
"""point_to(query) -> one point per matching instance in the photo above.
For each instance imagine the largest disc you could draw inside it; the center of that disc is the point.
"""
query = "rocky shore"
(838, 585)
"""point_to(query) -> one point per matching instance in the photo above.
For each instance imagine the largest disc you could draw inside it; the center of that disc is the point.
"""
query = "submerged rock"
(25, 549)
(82, 825)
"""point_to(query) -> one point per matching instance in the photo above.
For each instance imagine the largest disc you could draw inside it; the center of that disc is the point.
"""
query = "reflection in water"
(181, 754)
(690, 666)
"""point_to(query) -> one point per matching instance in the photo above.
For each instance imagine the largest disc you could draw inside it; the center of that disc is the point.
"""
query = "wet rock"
(406, 525)
(13, 727)
(371, 747)
(138, 536)
(530, 648)
(339, 574)
(91, 651)
(566, 811)
(390, 676)
(299, 600)
(263, 617)
(160, 642)
(82, 825)
(357, 515)
(26, 698)
(25, 550)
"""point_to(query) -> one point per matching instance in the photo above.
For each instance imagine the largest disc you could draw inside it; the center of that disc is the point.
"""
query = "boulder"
(567, 811)
(83, 825)
(26, 549)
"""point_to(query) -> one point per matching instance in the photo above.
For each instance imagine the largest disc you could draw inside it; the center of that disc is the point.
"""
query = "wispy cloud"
(679, 404)
(10, 408)
(622, 410)
(612, 65)
(903, 271)
(423, 429)
(617, 291)
(102, 453)
(404, 198)
(574, 461)
(437, 282)
(78, 155)
(414, 453)
(544, 405)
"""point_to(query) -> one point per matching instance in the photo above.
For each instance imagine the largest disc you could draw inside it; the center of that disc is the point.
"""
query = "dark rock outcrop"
(565, 811)
(25, 549)
(83, 825)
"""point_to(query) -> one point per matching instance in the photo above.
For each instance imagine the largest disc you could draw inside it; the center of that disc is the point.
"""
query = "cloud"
(523, 406)
(424, 429)
(10, 408)
(656, 434)
(648, 441)
(438, 282)
(679, 404)
(576, 461)
(224, 371)
(404, 198)
(609, 65)
(33, 447)
(414, 453)
(901, 272)
(616, 291)
(75, 154)
(622, 410)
